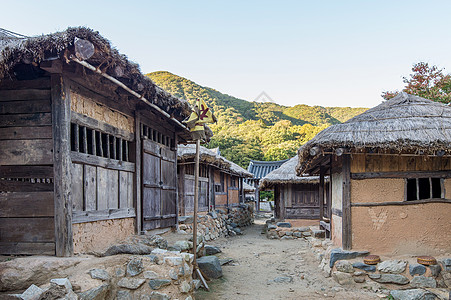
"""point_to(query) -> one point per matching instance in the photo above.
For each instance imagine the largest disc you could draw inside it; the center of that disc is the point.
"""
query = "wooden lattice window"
(94, 142)
(156, 136)
(424, 188)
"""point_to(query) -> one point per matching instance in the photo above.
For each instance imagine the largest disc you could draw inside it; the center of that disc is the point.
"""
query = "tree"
(426, 81)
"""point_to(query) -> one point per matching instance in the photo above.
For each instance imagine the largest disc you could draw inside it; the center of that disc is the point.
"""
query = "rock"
(412, 294)
(233, 224)
(423, 282)
(389, 278)
(186, 219)
(153, 258)
(150, 275)
(301, 229)
(359, 279)
(287, 237)
(32, 293)
(156, 284)
(159, 251)
(159, 296)
(339, 254)
(365, 267)
(55, 291)
(446, 264)
(173, 260)
(435, 270)
(213, 214)
(319, 233)
(212, 250)
(344, 266)
(184, 287)
(210, 266)
(342, 278)
(123, 295)
(99, 274)
(392, 266)
(237, 231)
(188, 257)
(289, 233)
(130, 283)
(283, 224)
(225, 261)
(283, 279)
(189, 298)
(183, 245)
(97, 293)
(197, 283)
(173, 274)
(417, 269)
(306, 234)
(69, 296)
(271, 226)
(63, 282)
(136, 249)
(297, 234)
(134, 266)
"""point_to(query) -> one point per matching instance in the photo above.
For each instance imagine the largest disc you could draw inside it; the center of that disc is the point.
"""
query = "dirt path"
(258, 261)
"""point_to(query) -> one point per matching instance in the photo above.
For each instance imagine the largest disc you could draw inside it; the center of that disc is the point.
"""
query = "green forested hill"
(251, 130)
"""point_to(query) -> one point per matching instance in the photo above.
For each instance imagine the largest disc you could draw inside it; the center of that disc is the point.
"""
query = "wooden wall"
(26, 172)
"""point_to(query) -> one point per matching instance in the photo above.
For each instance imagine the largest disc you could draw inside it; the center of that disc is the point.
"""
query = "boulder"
(32, 293)
(159, 296)
(339, 254)
(99, 274)
(134, 266)
(343, 278)
(423, 282)
(130, 283)
(97, 293)
(212, 250)
(417, 269)
(435, 270)
(123, 295)
(183, 245)
(319, 233)
(156, 284)
(344, 266)
(389, 278)
(392, 266)
(284, 224)
(365, 267)
(211, 266)
(412, 294)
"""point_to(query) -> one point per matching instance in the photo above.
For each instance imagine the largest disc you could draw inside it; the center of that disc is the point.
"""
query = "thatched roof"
(16, 49)
(248, 188)
(188, 153)
(403, 124)
(286, 174)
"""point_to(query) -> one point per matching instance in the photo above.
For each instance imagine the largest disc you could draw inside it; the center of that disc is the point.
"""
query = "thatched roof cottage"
(220, 180)
(297, 197)
(87, 145)
(391, 177)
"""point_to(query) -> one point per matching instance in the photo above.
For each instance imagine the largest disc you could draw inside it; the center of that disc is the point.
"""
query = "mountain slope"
(251, 130)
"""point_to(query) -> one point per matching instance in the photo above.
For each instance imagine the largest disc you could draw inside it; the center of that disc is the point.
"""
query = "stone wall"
(285, 231)
(219, 223)
(160, 275)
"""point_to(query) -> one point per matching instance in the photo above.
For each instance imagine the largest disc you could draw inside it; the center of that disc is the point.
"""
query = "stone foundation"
(219, 223)
(285, 231)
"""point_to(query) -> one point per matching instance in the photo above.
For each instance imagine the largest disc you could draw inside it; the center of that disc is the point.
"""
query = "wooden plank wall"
(26, 172)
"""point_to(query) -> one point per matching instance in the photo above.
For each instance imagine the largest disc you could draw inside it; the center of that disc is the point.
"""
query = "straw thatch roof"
(286, 174)
(403, 124)
(16, 49)
(248, 188)
(188, 153)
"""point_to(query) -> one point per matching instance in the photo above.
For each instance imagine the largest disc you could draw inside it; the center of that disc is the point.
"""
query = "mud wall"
(448, 188)
(377, 190)
(98, 235)
(90, 108)
(421, 229)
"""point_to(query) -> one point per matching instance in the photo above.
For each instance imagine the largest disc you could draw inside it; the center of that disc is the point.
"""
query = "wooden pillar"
(62, 166)
(346, 197)
(211, 181)
(321, 193)
(257, 195)
(181, 190)
(174, 148)
(280, 201)
(241, 190)
(138, 149)
(226, 182)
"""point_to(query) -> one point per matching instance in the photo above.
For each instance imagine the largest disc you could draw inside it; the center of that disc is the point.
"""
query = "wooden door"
(159, 191)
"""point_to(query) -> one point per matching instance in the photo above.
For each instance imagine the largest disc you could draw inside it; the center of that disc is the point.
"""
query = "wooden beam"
(407, 174)
(137, 191)
(61, 166)
(107, 163)
(106, 214)
(396, 203)
(346, 198)
(321, 192)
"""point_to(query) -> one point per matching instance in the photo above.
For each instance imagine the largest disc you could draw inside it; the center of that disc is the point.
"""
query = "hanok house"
(259, 169)
(220, 180)
(296, 197)
(391, 177)
(87, 145)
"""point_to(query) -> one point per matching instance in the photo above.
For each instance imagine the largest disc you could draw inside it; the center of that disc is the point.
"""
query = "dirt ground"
(257, 261)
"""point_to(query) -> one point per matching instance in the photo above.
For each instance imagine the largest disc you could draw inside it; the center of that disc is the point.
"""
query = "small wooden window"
(221, 179)
(90, 141)
(189, 169)
(218, 188)
(423, 188)
(233, 181)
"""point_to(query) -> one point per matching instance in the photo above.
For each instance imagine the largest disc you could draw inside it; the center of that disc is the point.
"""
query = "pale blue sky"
(328, 53)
